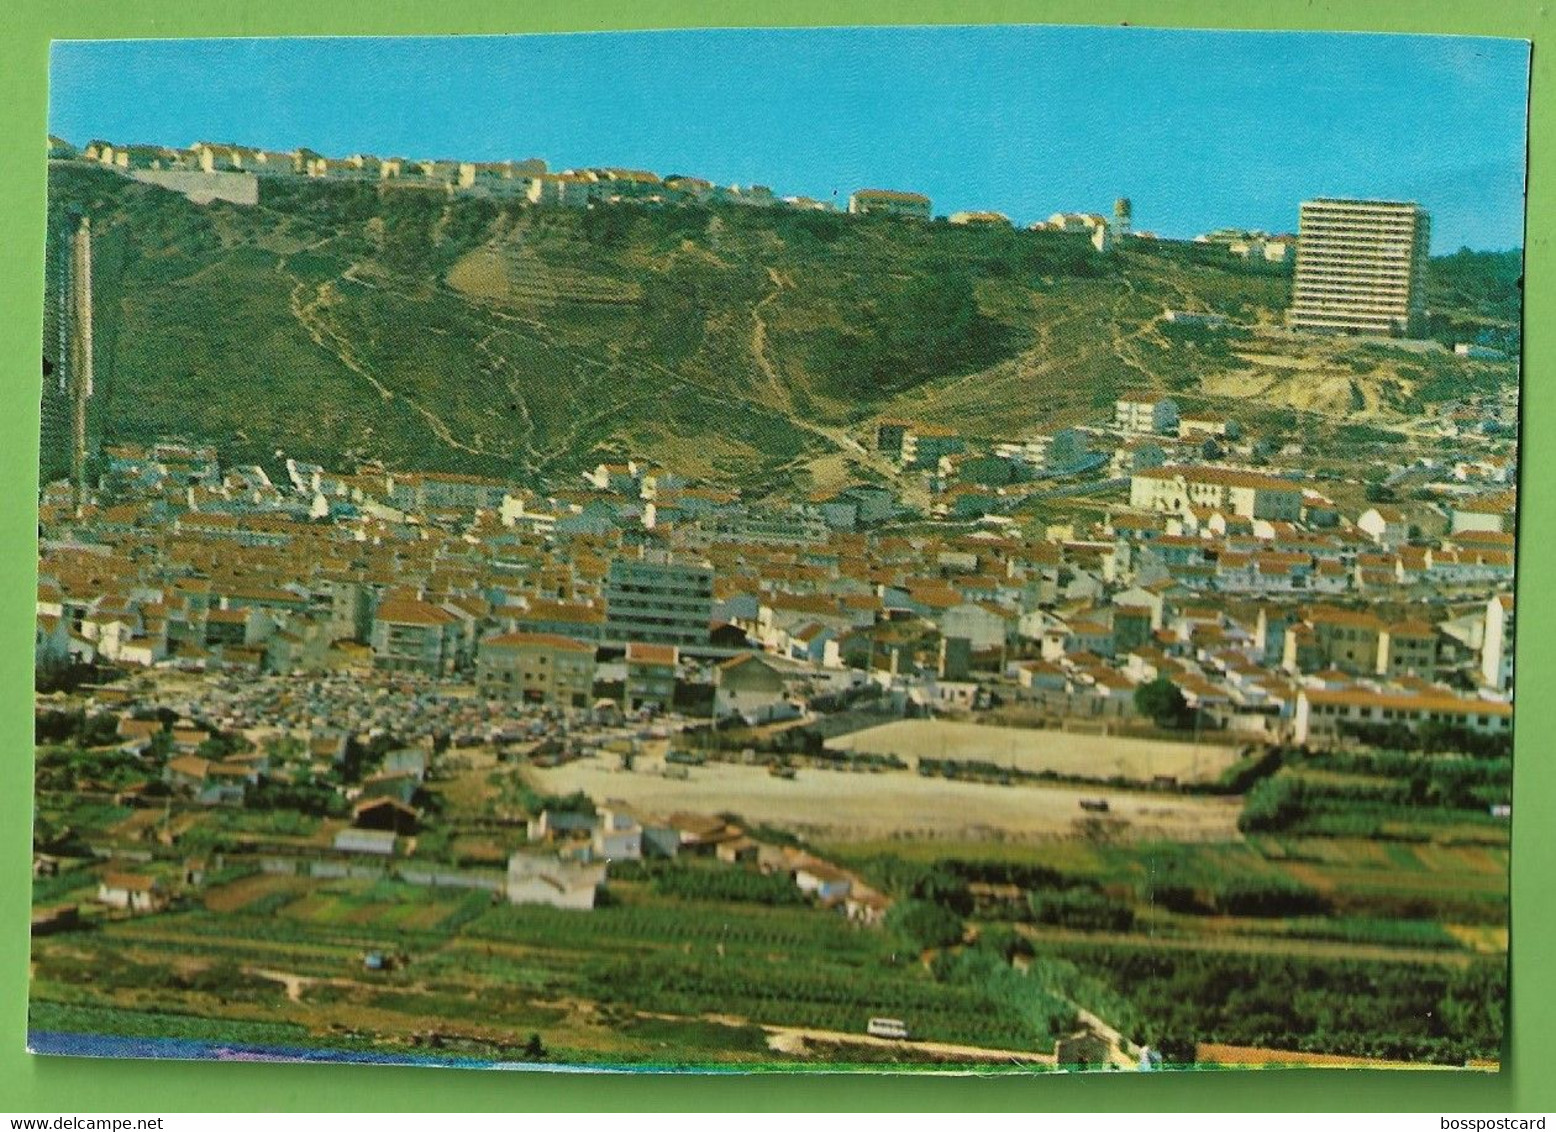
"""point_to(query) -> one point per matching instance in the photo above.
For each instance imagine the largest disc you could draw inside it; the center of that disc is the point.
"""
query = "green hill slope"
(336, 320)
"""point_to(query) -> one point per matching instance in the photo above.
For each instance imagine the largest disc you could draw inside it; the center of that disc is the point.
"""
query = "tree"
(1163, 702)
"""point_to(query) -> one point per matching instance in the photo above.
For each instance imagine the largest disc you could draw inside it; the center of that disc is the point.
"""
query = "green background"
(80, 1085)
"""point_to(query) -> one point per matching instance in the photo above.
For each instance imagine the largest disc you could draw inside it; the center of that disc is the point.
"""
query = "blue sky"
(1200, 129)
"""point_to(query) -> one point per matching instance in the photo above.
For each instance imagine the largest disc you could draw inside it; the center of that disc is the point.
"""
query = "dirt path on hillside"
(759, 340)
(497, 365)
(791, 1040)
(312, 315)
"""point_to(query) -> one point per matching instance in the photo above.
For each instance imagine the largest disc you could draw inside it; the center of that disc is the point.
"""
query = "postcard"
(956, 549)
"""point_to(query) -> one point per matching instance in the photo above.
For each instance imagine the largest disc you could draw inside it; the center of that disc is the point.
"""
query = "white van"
(887, 1028)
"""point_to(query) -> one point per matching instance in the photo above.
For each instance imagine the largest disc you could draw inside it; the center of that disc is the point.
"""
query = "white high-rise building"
(1361, 267)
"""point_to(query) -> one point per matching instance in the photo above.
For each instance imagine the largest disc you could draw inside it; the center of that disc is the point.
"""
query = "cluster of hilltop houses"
(233, 172)
(208, 171)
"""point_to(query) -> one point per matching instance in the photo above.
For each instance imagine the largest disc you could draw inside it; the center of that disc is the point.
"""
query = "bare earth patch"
(844, 806)
(1033, 751)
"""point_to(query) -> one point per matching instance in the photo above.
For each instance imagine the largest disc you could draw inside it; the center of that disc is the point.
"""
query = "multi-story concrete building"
(923, 445)
(658, 601)
(1496, 653)
(1349, 640)
(1408, 648)
(1180, 489)
(651, 675)
(1361, 267)
(414, 636)
(1142, 412)
(536, 668)
(777, 526)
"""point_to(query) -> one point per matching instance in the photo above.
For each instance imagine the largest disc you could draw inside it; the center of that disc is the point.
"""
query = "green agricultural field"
(496, 969)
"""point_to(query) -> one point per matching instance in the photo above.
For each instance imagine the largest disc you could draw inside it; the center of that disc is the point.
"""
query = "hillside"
(745, 345)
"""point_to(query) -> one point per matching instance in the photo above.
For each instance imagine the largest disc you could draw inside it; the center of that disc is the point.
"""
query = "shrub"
(1082, 908)
(925, 924)
(727, 884)
(1273, 804)
(1268, 896)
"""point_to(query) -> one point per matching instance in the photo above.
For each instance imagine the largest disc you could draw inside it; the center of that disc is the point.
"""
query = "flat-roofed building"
(1361, 267)
(1139, 412)
(924, 445)
(658, 601)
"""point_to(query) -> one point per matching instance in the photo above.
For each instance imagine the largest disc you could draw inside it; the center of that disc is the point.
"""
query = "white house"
(1182, 489)
(617, 836)
(378, 842)
(753, 686)
(1494, 512)
(983, 627)
(1386, 526)
(553, 881)
(131, 892)
(823, 881)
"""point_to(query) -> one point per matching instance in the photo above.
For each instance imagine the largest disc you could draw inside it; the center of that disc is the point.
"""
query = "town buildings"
(1323, 715)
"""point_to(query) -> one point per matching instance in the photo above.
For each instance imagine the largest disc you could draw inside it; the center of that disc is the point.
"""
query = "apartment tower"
(658, 600)
(1361, 267)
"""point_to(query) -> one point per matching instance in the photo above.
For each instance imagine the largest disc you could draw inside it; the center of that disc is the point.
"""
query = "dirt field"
(241, 893)
(1098, 756)
(841, 806)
